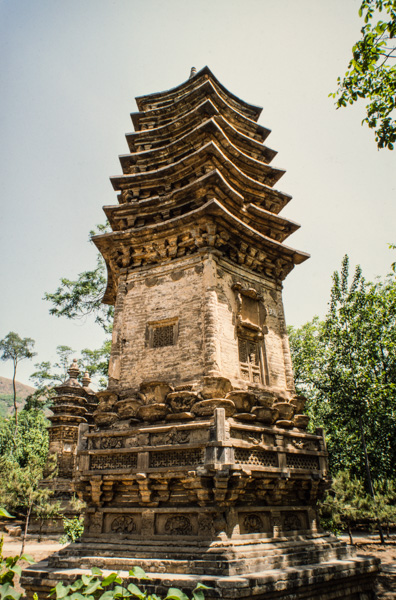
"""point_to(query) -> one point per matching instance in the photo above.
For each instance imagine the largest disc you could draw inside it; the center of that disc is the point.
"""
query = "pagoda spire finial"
(86, 379)
(74, 370)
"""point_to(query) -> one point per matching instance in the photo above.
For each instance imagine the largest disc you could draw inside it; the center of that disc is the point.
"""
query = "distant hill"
(7, 395)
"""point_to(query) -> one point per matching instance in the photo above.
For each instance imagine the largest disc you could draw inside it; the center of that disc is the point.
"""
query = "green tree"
(80, 297)
(14, 348)
(345, 504)
(346, 366)
(371, 74)
(385, 501)
(96, 362)
(46, 376)
(22, 491)
(31, 441)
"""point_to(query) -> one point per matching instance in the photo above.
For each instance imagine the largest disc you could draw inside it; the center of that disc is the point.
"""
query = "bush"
(73, 529)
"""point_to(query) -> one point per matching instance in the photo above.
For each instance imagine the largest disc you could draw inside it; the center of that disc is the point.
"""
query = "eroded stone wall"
(179, 323)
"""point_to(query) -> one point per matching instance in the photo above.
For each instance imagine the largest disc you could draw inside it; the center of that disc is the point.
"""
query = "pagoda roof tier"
(69, 408)
(210, 226)
(193, 140)
(245, 143)
(163, 135)
(67, 419)
(241, 141)
(158, 117)
(207, 158)
(181, 201)
(151, 101)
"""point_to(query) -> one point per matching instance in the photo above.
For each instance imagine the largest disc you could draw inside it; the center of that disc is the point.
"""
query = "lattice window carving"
(249, 360)
(176, 458)
(163, 336)
(115, 461)
(301, 461)
(261, 458)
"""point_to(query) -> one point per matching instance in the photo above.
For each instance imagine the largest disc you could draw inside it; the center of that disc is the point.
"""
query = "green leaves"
(198, 592)
(135, 591)
(372, 75)
(346, 367)
(73, 529)
(175, 594)
(113, 577)
(8, 592)
(77, 298)
(61, 590)
(90, 587)
(139, 573)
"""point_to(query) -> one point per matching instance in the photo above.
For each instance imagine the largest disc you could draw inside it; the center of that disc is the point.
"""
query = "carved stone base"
(350, 578)
(222, 557)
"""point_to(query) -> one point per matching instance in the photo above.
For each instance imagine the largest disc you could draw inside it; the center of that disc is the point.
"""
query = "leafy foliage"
(48, 375)
(346, 367)
(96, 362)
(385, 501)
(112, 586)
(346, 503)
(370, 74)
(9, 567)
(31, 440)
(73, 529)
(22, 491)
(23, 465)
(83, 296)
(14, 348)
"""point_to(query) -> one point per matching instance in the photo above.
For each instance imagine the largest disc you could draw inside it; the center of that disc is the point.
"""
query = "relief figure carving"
(178, 525)
(252, 523)
(123, 524)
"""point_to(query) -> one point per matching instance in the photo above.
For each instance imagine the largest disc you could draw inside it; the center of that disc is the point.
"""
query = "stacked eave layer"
(167, 97)
(198, 175)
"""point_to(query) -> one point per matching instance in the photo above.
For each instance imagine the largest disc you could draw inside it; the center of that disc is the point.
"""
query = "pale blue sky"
(69, 72)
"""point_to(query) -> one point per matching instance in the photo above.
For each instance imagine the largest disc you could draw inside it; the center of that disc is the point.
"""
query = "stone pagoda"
(73, 406)
(199, 464)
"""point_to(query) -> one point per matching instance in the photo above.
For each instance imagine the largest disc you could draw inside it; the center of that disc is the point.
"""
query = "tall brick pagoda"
(200, 464)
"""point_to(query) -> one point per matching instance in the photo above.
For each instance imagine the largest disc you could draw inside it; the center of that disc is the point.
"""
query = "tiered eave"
(197, 157)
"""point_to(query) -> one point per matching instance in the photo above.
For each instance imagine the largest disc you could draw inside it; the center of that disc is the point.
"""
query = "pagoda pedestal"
(200, 466)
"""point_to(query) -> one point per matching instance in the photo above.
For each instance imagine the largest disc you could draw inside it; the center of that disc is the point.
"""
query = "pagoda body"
(200, 464)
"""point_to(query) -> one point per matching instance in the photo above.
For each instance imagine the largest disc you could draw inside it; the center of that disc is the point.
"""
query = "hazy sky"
(69, 73)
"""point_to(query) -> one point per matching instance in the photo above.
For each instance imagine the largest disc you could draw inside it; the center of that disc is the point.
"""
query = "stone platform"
(349, 578)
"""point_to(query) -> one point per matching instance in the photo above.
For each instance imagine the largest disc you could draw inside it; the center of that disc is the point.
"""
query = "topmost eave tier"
(153, 101)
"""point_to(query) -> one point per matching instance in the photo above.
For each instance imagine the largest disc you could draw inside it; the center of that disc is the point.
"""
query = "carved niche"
(250, 328)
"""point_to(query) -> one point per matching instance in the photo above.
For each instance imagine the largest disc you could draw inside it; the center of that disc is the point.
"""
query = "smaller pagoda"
(72, 410)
